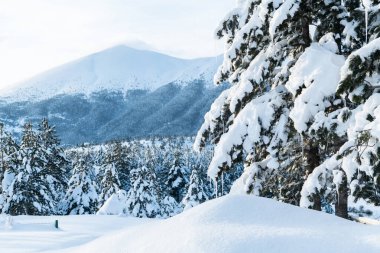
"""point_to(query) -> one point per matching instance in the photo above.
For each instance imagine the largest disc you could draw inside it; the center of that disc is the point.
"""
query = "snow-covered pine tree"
(55, 171)
(169, 207)
(341, 129)
(142, 197)
(8, 151)
(9, 164)
(110, 182)
(29, 192)
(177, 177)
(163, 150)
(125, 162)
(250, 121)
(95, 156)
(283, 76)
(312, 79)
(354, 168)
(3, 147)
(81, 196)
(195, 193)
(164, 159)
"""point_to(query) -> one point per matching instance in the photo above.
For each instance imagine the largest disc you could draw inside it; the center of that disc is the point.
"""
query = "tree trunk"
(305, 31)
(312, 160)
(317, 202)
(341, 206)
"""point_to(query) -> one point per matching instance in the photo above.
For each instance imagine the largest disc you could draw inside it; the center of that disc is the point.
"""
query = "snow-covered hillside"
(119, 68)
(232, 223)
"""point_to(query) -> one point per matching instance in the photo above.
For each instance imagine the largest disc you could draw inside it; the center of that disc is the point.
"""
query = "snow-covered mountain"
(119, 68)
(115, 94)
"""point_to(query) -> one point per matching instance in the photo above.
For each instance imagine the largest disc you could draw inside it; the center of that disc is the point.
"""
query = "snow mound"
(120, 68)
(115, 204)
(241, 223)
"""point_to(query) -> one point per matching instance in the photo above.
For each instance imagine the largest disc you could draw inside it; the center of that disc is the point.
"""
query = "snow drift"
(239, 223)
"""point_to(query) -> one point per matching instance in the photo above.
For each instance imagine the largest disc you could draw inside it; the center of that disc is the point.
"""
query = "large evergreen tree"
(250, 121)
(8, 152)
(353, 168)
(9, 155)
(56, 166)
(285, 77)
(29, 192)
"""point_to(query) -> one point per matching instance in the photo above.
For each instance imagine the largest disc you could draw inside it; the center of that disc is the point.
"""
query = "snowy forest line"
(157, 177)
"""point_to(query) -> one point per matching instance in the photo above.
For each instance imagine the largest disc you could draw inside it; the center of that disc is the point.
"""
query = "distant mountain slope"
(116, 94)
(119, 68)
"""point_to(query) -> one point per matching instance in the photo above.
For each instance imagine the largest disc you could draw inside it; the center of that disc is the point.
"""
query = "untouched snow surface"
(119, 68)
(234, 223)
(37, 234)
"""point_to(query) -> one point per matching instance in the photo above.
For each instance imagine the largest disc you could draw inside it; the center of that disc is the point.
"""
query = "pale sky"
(36, 35)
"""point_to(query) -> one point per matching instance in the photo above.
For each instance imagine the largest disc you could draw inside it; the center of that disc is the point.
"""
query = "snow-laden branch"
(257, 117)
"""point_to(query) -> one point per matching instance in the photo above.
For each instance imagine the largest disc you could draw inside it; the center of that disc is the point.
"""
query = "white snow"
(317, 70)
(357, 160)
(364, 52)
(251, 180)
(257, 116)
(288, 8)
(117, 69)
(38, 234)
(211, 116)
(234, 223)
(115, 204)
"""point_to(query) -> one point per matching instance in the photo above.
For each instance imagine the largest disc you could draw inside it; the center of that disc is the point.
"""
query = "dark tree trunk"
(312, 160)
(317, 202)
(306, 20)
(341, 206)
(305, 31)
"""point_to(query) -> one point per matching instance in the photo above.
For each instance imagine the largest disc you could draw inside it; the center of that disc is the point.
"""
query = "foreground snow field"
(232, 223)
(37, 234)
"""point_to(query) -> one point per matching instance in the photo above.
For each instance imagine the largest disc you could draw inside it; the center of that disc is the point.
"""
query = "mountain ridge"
(119, 68)
(114, 94)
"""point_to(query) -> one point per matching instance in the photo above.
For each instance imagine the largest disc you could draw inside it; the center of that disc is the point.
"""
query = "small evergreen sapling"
(169, 207)
(195, 193)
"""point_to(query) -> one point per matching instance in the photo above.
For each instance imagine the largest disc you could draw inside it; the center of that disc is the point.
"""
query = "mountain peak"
(118, 68)
(128, 49)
